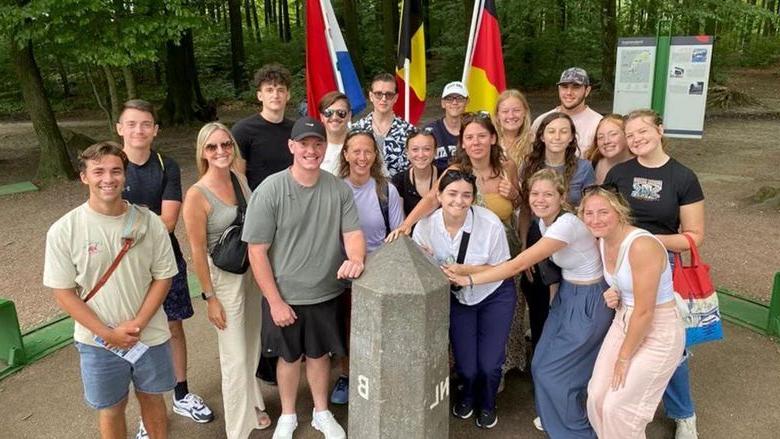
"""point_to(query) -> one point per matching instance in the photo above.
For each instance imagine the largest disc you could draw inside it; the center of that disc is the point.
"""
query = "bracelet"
(471, 281)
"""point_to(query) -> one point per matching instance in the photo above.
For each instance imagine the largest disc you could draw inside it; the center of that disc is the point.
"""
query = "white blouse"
(487, 245)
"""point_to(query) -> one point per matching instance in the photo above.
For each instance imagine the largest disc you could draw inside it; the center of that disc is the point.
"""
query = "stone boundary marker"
(399, 360)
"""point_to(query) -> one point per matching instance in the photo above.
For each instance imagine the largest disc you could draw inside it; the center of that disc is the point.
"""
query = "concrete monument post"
(399, 361)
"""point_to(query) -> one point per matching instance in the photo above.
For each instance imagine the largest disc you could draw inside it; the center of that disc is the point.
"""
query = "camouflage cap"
(574, 75)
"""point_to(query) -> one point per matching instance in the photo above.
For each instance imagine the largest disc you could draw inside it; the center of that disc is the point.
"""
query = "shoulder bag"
(230, 253)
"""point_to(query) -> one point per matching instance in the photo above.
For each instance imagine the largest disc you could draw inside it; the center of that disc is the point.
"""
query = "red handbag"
(693, 285)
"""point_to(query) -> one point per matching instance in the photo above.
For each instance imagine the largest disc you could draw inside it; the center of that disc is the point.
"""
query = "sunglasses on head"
(477, 115)
(356, 131)
(414, 131)
(226, 145)
(608, 187)
(456, 175)
(328, 113)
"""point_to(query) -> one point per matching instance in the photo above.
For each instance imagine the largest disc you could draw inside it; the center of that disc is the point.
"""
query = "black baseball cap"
(307, 127)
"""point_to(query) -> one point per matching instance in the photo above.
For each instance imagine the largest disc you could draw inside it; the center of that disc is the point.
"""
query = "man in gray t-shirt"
(295, 223)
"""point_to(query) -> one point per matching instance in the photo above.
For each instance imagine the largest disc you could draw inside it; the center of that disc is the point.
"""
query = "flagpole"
(406, 89)
(475, 16)
(329, 42)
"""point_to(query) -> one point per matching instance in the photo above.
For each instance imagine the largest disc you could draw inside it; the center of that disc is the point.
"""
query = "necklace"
(430, 184)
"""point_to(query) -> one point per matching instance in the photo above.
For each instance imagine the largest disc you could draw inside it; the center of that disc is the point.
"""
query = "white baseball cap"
(455, 88)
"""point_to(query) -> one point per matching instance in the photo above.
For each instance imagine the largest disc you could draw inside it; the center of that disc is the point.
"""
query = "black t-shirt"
(656, 194)
(152, 182)
(263, 145)
(446, 143)
(408, 191)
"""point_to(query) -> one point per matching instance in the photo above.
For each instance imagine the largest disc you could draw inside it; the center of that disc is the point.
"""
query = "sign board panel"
(687, 85)
(634, 74)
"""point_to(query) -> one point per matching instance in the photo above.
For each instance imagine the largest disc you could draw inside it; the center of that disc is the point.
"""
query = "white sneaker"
(285, 426)
(327, 424)
(193, 407)
(538, 423)
(142, 434)
(686, 428)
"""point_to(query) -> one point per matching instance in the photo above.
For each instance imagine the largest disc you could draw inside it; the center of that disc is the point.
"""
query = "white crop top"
(622, 279)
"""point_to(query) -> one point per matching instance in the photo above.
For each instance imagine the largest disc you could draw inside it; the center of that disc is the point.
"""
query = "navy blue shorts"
(178, 304)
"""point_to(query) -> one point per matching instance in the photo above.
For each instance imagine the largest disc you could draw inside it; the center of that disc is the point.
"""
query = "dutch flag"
(328, 64)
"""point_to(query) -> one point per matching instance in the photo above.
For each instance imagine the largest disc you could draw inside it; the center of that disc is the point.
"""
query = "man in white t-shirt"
(121, 331)
(573, 89)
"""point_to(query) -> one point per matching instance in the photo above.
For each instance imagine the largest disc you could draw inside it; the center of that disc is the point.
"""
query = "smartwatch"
(206, 295)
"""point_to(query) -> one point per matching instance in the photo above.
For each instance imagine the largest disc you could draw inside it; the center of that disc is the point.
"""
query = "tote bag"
(696, 295)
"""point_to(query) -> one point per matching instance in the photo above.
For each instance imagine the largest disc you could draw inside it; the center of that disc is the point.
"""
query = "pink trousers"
(624, 413)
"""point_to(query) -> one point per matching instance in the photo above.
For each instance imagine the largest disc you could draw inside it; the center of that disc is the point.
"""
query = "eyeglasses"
(454, 99)
(414, 131)
(226, 145)
(328, 113)
(456, 175)
(379, 95)
(477, 115)
(608, 187)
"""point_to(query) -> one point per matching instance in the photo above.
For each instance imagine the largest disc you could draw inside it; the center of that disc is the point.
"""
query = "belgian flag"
(484, 70)
(410, 65)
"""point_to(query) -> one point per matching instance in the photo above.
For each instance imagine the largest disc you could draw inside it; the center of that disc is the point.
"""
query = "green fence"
(18, 350)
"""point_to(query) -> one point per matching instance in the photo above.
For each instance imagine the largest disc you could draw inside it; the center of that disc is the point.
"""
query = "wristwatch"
(206, 295)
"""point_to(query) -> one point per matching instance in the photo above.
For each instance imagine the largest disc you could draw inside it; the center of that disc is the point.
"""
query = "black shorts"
(178, 304)
(318, 330)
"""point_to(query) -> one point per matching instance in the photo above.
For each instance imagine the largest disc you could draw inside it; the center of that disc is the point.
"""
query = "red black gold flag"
(410, 65)
(484, 76)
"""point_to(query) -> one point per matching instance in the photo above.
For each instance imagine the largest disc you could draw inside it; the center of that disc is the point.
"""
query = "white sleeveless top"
(622, 279)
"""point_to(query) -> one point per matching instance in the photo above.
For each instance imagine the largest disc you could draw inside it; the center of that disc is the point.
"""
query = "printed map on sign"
(635, 69)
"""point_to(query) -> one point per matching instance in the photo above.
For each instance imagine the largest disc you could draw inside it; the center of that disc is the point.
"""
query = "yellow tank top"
(499, 205)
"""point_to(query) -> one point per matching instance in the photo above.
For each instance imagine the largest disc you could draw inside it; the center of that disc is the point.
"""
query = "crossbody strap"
(127, 242)
(239, 198)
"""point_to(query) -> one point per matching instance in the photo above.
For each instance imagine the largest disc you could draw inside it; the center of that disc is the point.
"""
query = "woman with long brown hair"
(611, 147)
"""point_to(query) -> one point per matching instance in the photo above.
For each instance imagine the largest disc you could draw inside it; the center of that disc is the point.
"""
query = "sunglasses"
(456, 175)
(356, 131)
(226, 146)
(328, 113)
(608, 187)
(477, 115)
(378, 95)
(414, 131)
(454, 99)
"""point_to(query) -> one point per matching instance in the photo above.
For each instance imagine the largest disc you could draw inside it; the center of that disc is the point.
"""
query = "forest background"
(63, 58)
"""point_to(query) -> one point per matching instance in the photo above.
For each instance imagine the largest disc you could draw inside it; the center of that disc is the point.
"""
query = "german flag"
(410, 65)
(484, 71)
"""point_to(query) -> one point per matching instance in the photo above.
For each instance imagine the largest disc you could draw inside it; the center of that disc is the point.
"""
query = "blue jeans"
(678, 401)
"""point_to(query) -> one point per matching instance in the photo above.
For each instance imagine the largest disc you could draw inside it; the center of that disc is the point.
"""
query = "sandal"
(263, 420)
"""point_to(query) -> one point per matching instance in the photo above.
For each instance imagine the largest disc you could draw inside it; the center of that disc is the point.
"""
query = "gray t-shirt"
(304, 227)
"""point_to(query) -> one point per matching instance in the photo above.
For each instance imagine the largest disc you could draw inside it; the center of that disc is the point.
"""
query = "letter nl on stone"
(399, 361)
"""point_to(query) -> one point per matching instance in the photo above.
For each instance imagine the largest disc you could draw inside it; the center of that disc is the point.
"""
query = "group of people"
(573, 218)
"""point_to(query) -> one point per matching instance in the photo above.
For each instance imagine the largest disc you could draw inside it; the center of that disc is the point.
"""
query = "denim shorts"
(106, 376)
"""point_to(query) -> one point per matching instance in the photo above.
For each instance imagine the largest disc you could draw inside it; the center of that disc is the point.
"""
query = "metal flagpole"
(475, 17)
(406, 89)
(329, 42)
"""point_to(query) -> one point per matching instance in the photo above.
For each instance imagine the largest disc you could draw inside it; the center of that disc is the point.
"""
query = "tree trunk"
(389, 34)
(101, 103)
(285, 34)
(297, 14)
(247, 16)
(257, 23)
(237, 47)
(54, 161)
(130, 85)
(353, 37)
(608, 43)
(113, 95)
(63, 73)
(184, 102)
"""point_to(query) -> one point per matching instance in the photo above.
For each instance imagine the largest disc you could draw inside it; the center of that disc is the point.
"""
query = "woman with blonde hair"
(233, 300)
(646, 339)
(513, 124)
(611, 146)
(666, 199)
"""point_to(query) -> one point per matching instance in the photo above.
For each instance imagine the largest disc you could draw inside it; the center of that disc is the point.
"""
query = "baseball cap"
(455, 88)
(307, 127)
(574, 75)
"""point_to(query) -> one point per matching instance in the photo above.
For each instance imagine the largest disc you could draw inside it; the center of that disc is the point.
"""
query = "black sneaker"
(487, 419)
(462, 410)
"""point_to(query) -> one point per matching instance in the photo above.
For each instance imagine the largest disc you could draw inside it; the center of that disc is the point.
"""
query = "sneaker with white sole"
(193, 407)
(340, 393)
(325, 423)
(285, 426)
(487, 419)
(686, 428)
(538, 423)
(142, 434)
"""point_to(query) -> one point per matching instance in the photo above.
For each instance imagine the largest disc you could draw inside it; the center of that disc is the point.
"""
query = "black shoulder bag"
(230, 253)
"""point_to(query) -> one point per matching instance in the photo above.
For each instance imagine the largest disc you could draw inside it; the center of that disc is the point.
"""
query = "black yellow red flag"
(410, 64)
(483, 72)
